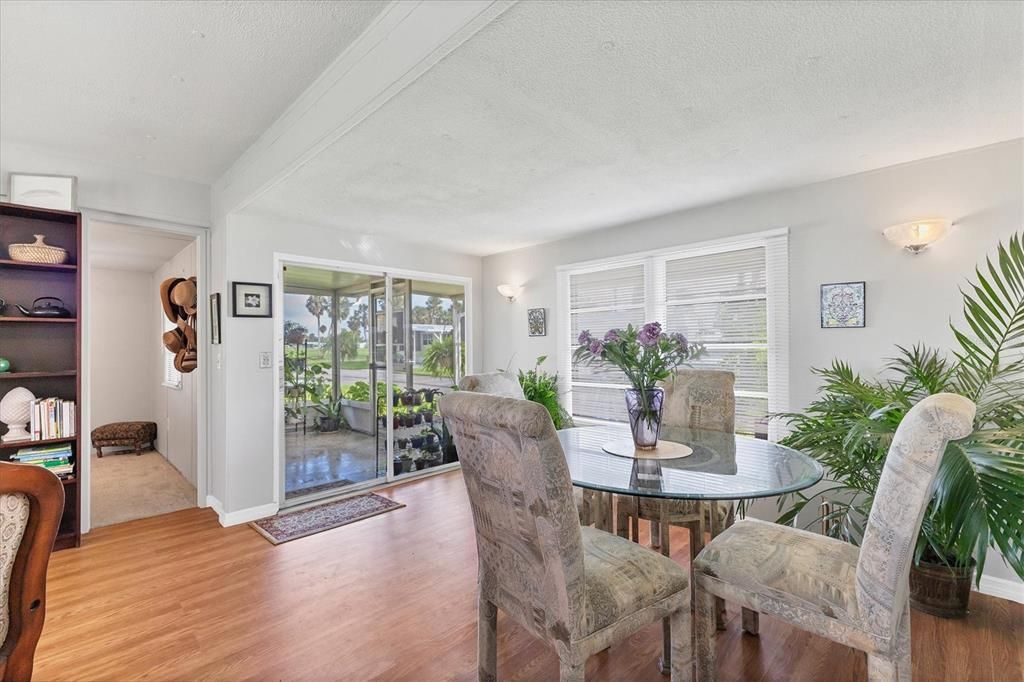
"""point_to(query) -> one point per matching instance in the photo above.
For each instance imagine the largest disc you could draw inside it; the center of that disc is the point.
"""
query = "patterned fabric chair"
(31, 504)
(507, 385)
(859, 598)
(494, 383)
(696, 399)
(579, 588)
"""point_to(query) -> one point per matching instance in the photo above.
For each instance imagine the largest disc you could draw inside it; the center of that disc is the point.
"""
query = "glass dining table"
(722, 466)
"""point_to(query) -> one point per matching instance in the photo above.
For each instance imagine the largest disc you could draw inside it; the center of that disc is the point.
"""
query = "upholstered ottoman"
(121, 434)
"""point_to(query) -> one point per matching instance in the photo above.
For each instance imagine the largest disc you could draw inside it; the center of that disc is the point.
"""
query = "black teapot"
(44, 307)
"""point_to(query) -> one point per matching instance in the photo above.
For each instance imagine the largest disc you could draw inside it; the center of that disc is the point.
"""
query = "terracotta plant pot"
(940, 590)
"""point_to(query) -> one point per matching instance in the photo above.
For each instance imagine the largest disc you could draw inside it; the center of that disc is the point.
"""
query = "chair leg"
(897, 668)
(487, 642)
(751, 622)
(622, 516)
(655, 535)
(681, 655)
(885, 670)
(570, 672)
(706, 631)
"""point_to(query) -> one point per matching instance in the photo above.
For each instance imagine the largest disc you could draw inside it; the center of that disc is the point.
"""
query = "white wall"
(124, 348)
(104, 188)
(174, 408)
(835, 237)
(241, 394)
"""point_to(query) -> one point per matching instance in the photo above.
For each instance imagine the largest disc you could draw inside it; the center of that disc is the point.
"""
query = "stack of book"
(52, 418)
(57, 458)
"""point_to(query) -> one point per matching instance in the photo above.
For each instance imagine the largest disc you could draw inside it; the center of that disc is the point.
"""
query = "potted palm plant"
(979, 496)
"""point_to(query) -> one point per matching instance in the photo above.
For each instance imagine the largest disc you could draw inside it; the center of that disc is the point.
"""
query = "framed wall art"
(215, 318)
(250, 299)
(843, 305)
(537, 321)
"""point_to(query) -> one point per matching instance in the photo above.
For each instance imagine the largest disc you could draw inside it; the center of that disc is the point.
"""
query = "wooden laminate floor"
(392, 597)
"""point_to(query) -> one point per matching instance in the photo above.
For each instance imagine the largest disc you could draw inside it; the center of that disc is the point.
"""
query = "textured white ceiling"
(178, 88)
(561, 117)
(124, 247)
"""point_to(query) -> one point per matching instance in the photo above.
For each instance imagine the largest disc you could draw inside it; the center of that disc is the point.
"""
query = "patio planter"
(358, 415)
(327, 424)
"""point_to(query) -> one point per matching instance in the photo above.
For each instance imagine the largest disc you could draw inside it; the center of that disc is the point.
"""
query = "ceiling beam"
(405, 41)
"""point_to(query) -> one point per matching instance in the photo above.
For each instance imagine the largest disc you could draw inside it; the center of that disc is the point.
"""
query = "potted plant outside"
(416, 441)
(979, 493)
(355, 407)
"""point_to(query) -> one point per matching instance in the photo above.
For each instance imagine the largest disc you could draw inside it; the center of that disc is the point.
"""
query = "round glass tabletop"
(723, 466)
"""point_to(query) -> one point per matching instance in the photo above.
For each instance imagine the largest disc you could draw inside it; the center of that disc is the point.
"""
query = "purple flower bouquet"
(646, 356)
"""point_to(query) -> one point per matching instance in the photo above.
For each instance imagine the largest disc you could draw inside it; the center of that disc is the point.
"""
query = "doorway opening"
(142, 411)
(365, 356)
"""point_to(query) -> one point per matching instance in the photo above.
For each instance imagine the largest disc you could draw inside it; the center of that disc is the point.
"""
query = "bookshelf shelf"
(48, 267)
(20, 376)
(18, 444)
(39, 343)
(41, 320)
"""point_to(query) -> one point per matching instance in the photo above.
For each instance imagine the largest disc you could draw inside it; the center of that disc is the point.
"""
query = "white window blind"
(731, 296)
(171, 376)
(601, 300)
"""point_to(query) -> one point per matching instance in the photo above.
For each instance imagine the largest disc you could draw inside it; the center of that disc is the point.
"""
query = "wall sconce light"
(916, 236)
(509, 291)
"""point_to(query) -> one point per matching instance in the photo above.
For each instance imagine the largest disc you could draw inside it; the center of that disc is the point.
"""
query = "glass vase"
(644, 408)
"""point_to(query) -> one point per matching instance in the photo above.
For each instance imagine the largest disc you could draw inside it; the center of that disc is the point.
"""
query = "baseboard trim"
(1002, 588)
(242, 515)
(215, 504)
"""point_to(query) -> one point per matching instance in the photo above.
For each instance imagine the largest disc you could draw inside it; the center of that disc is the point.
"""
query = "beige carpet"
(127, 487)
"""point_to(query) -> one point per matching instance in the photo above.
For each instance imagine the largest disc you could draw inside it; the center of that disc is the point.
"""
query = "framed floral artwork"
(537, 321)
(842, 305)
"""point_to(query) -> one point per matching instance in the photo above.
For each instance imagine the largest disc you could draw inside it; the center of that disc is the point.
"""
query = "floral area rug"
(299, 524)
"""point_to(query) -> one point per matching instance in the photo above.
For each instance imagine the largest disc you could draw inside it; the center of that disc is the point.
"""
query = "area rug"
(299, 524)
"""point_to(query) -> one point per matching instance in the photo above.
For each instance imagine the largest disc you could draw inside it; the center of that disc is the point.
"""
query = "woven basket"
(38, 252)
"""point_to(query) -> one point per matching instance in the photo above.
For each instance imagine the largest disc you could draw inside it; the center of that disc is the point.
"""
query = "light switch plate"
(265, 360)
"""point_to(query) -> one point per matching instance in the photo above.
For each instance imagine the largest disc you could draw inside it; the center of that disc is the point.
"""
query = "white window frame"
(776, 246)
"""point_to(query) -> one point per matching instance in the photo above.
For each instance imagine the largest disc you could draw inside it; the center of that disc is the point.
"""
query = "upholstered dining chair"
(696, 399)
(494, 383)
(31, 503)
(507, 385)
(857, 597)
(579, 588)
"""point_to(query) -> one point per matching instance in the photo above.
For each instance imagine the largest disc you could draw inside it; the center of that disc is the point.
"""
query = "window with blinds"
(731, 296)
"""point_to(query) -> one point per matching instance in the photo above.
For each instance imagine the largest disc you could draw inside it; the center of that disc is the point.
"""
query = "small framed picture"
(842, 305)
(215, 318)
(537, 321)
(250, 299)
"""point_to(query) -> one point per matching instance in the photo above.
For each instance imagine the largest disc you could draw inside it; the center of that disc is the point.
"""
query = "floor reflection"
(317, 461)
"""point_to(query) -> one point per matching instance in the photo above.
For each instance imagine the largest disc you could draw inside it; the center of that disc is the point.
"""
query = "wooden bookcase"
(45, 354)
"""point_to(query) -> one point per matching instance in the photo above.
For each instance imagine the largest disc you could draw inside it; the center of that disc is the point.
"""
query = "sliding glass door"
(346, 336)
(427, 360)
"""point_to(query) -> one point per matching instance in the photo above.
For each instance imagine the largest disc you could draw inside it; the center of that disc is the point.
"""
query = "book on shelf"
(52, 418)
(58, 458)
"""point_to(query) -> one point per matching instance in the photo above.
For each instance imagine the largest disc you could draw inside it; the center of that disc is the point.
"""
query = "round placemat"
(664, 450)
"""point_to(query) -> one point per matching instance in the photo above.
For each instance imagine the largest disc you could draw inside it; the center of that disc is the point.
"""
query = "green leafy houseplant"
(542, 387)
(979, 495)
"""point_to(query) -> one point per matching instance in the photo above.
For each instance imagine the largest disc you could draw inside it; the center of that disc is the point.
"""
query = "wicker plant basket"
(38, 252)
